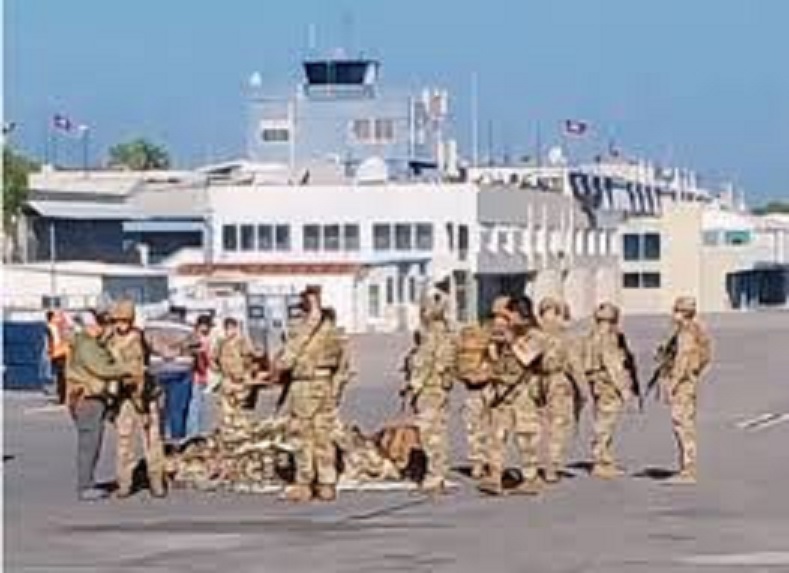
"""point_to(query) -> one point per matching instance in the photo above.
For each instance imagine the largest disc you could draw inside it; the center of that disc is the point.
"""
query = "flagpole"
(85, 142)
(474, 120)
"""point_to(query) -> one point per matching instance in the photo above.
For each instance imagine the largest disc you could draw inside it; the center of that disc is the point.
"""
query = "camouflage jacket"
(431, 364)
(604, 358)
(90, 366)
(313, 350)
(693, 353)
(234, 358)
(515, 365)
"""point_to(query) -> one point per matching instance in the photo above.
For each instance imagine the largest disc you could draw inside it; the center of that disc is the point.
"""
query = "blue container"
(24, 355)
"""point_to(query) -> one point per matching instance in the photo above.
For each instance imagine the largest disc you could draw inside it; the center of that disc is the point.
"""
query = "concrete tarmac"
(735, 519)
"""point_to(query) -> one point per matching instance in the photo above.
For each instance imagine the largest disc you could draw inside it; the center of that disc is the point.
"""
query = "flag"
(575, 127)
(62, 123)
(8, 127)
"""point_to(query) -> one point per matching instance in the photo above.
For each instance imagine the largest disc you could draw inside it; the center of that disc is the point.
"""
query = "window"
(331, 237)
(403, 240)
(247, 237)
(362, 130)
(265, 238)
(631, 280)
(424, 237)
(651, 247)
(230, 237)
(382, 237)
(737, 237)
(282, 236)
(275, 135)
(350, 237)
(384, 130)
(631, 247)
(374, 301)
(451, 236)
(710, 238)
(412, 289)
(650, 280)
(463, 238)
(389, 290)
(312, 237)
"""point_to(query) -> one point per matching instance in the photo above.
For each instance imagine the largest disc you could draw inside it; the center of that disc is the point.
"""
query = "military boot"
(433, 486)
(529, 486)
(158, 489)
(326, 492)
(552, 474)
(478, 471)
(686, 476)
(123, 492)
(491, 485)
(604, 470)
(298, 493)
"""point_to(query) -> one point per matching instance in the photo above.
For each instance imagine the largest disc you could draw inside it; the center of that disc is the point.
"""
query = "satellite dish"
(556, 156)
(372, 170)
(256, 80)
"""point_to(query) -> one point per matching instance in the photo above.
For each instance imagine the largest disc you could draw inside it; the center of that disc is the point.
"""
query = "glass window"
(384, 130)
(403, 241)
(424, 236)
(374, 300)
(389, 290)
(463, 238)
(650, 280)
(631, 280)
(275, 135)
(362, 130)
(230, 237)
(382, 237)
(331, 237)
(451, 236)
(737, 237)
(651, 247)
(265, 238)
(710, 238)
(247, 237)
(412, 289)
(282, 233)
(312, 237)
(631, 247)
(350, 237)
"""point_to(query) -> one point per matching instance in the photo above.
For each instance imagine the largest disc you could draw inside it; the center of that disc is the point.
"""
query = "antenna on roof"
(348, 32)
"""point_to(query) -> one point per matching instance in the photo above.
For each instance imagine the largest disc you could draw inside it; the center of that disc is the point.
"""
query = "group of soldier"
(526, 378)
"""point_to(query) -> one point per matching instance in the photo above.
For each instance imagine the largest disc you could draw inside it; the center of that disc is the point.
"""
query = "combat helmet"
(685, 305)
(552, 303)
(123, 310)
(434, 305)
(607, 312)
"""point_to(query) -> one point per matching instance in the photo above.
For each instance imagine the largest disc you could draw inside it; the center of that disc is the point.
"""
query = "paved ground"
(737, 519)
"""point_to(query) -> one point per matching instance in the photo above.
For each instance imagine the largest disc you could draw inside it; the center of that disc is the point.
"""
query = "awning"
(84, 210)
(164, 226)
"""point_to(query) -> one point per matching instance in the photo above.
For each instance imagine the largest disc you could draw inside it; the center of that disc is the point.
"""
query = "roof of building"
(293, 268)
(93, 210)
(88, 268)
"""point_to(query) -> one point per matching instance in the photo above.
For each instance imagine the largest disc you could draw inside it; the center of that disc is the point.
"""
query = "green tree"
(772, 207)
(139, 155)
(16, 168)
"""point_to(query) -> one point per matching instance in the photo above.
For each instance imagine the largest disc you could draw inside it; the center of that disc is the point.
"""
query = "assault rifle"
(632, 368)
(665, 357)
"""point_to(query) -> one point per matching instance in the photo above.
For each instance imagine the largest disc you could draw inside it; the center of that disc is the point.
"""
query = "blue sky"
(701, 83)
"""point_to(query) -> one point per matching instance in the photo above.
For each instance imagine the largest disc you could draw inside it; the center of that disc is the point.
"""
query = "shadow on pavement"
(653, 473)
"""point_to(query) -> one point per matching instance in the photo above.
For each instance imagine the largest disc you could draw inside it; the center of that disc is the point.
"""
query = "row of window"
(332, 237)
(641, 280)
(374, 131)
(403, 289)
(641, 246)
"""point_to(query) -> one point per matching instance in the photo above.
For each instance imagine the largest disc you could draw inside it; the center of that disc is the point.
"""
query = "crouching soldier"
(138, 414)
(91, 384)
(234, 358)
(311, 357)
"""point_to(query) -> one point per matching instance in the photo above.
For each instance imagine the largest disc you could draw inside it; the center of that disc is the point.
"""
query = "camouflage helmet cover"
(123, 310)
(686, 304)
(607, 311)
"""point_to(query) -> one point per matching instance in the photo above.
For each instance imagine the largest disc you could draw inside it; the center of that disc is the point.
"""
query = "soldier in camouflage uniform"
(312, 356)
(138, 413)
(605, 364)
(234, 354)
(562, 382)
(429, 384)
(91, 372)
(690, 357)
(515, 408)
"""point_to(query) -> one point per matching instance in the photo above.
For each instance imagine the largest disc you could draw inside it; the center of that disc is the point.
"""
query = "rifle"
(665, 358)
(632, 369)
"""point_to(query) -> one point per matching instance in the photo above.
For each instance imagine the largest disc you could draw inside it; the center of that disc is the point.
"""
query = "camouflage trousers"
(312, 427)
(232, 396)
(682, 401)
(129, 425)
(560, 414)
(476, 415)
(519, 417)
(432, 413)
(608, 407)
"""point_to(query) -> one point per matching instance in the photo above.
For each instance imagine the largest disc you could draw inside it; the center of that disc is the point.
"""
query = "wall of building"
(80, 240)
